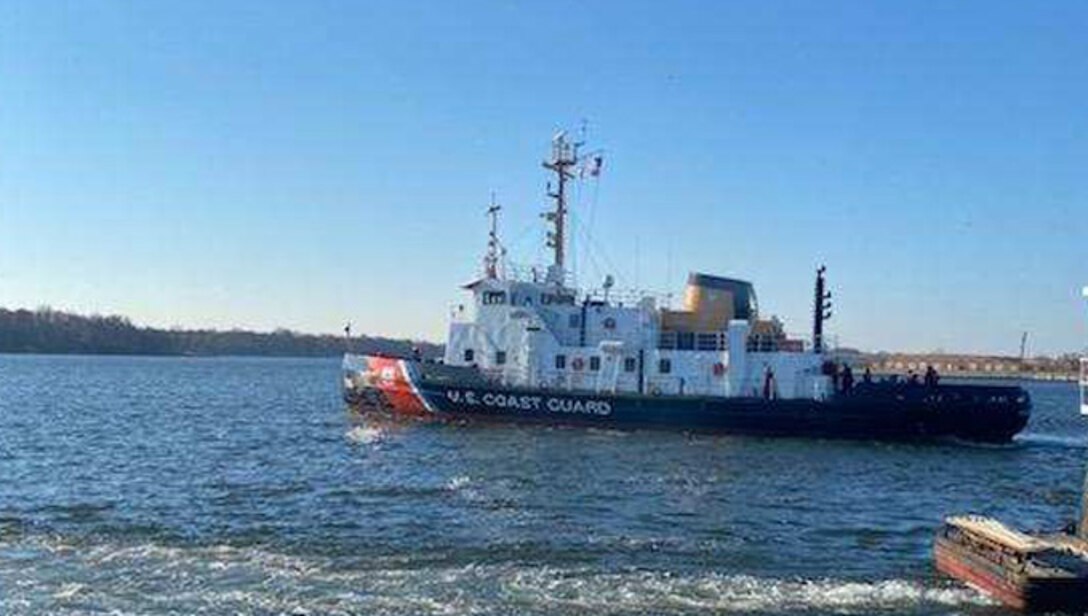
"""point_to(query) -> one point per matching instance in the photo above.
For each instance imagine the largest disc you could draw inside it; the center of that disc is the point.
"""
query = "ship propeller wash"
(530, 347)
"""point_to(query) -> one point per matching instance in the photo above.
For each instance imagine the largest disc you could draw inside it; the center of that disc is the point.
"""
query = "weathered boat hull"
(881, 412)
(1017, 583)
(954, 561)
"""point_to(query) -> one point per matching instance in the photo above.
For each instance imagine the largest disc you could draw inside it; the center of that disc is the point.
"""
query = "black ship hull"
(872, 411)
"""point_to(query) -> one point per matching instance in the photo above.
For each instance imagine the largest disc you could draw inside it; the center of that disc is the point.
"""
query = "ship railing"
(693, 341)
(608, 381)
(719, 341)
(628, 297)
(778, 342)
(536, 274)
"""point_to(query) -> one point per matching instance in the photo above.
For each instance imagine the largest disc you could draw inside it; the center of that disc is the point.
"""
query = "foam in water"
(365, 435)
(227, 579)
(68, 591)
(458, 482)
(1059, 440)
(665, 592)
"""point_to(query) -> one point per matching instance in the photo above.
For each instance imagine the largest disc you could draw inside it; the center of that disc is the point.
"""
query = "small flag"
(591, 167)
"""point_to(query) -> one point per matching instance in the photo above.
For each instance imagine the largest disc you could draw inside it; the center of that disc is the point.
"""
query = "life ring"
(719, 368)
(577, 364)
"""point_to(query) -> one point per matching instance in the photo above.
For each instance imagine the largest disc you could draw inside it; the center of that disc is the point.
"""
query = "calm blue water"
(182, 486)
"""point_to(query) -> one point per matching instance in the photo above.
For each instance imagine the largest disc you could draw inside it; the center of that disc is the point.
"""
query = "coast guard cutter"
(529, 347)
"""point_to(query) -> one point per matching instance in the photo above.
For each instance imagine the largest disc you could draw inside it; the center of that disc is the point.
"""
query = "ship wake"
(70, 579)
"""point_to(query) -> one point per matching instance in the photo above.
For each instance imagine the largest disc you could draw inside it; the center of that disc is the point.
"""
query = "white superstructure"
(532, 329)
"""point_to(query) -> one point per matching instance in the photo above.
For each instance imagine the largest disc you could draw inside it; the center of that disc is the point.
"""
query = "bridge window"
(494, 297)
(664, 366)
(629, 364)
(470, 355)
(685, 341)
(594, 363)
(558, 299)
(500, 358)
(560, 362)
(710, 341)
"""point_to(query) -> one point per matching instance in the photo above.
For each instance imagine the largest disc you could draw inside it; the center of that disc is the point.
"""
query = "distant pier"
(1062, 368)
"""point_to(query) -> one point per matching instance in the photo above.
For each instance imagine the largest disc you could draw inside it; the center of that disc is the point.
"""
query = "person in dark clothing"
(867, 377)
(931, 377)
(832, 370)
(912, 378)
(847, 378)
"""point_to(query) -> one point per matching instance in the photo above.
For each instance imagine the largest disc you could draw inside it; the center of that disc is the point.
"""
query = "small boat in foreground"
(1043, 572)
(1026, 572)
(531, 347)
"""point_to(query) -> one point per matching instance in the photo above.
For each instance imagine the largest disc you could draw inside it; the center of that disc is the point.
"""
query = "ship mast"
(494, 250)
(564, 158)
(821, 310)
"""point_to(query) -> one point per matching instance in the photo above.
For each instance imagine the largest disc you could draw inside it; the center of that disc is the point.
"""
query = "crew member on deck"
(831, 369)
(768, 384)
(868, 376)
(932, 378)
(847, 378)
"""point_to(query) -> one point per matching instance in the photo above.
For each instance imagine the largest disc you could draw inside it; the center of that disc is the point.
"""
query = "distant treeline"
(50, 331)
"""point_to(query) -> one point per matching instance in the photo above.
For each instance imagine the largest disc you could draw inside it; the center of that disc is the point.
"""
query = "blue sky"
(267, 164)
